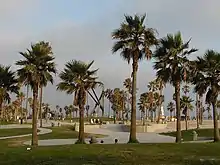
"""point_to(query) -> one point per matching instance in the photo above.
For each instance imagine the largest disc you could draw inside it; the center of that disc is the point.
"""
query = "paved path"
(11, 126)
(112, 133)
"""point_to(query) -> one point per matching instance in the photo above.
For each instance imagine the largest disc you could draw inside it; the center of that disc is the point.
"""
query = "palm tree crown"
(133, 36)
(37, 65)
(8, 84)
(171, 58)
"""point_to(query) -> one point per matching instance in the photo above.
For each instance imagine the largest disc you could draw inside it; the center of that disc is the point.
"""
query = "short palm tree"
(171, 108)
(133, 41)
(171, 62)
(206, 80)
(78, 77)
(21, 97)
(186, 105)
(108, 95)
(8, 84)
(35, 67)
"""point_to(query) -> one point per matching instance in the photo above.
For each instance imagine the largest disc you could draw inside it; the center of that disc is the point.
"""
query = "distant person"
(116, 141)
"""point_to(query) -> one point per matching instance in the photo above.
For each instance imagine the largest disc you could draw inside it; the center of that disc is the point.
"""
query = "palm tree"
(78, 77)
(185, 105)
(206, 80)
(46, 50)
(171, 108)
(128, 85)
(160, 85)
(144, 105)
(171, 61)
(133, 41)
(8, 84)
(108, 95)
(21, 98)
(35, 67)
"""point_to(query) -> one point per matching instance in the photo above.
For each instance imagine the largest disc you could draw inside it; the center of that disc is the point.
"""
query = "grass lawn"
(64, 132)
(14, 131)
(188, 135)
(126, 154)
(7, 123)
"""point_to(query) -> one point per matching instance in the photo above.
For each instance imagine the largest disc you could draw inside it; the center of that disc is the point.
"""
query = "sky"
(81, 29)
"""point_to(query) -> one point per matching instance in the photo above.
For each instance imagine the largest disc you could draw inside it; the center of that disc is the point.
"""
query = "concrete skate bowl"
(116, 127)
(139, 128)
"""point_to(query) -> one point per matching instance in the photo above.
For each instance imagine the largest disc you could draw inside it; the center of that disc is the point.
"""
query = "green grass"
(126, 154)
(64, 132)
(14, 131)
(7, 122)
(188, 135)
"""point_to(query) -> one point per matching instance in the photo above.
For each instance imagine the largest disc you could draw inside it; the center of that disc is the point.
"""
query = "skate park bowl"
(125, 127)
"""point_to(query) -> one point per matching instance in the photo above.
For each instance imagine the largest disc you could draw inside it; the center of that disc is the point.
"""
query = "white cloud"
(198, 19)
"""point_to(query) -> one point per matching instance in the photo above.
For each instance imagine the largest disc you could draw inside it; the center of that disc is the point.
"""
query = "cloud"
(12, 9)
(91, 40)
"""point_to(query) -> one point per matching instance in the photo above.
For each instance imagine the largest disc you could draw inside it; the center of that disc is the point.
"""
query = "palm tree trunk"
(26, 106)
(197, 111)
(34, 116)
(215, 122)
(133, 138)
(1, 109)
(186, 119)
(170, 115)
(178, 114)
(152, 115)
(201, 110)
(40, 108)
(109, 106)
(81, 126)
(160, 103)
(144, 117)
(81, 138)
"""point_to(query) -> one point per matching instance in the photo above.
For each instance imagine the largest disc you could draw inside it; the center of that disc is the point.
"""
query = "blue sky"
(81, 29)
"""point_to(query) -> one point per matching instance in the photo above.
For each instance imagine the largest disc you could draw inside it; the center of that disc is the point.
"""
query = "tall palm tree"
(207, 69)
(35, 67)
(171, 61)
(171, 108)
(8, 84)
(133, 41)
(78, 77)
(46, 50)
(185, 105)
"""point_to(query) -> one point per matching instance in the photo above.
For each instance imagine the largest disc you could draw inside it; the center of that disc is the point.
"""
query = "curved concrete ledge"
(42, 131)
